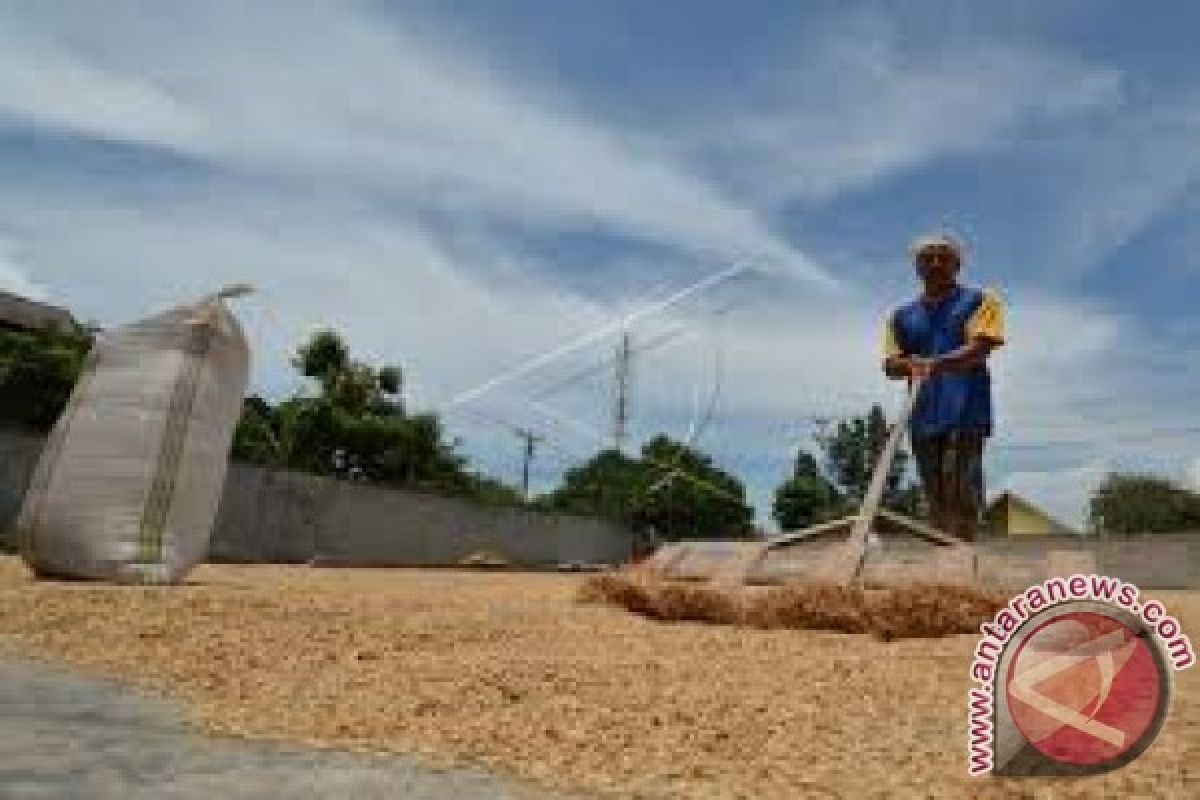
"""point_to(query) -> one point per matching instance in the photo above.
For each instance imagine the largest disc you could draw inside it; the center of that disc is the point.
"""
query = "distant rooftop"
(21, 313)
(1010, 514)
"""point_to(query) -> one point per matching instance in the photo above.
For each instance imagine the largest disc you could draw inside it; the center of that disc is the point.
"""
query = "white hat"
(940, 239)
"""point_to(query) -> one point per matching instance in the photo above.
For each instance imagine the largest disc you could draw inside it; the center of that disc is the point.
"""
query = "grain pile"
(509, 671)
(912, 611)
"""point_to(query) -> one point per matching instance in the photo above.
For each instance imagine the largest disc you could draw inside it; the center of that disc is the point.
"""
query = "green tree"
(256, 438)
(851, 449)
(807, 497)
(1139, 503)
(689, 496)
(821, 490)
(38, 370)
(672, 488)
(352, 386)
(324, 357)
(407, 449)
(609, 485)
(356, 428)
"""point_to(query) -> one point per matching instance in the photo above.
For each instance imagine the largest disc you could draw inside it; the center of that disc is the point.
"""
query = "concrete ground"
(63, 735)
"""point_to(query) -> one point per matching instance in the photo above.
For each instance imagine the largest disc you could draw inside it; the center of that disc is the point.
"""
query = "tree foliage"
(672, 488)
(851, 448)
(807, 497)
(1138, 503)
(355, 427)
(38, 370)
(607, 485)
(255, 439)
(817, 491)
(689, 496)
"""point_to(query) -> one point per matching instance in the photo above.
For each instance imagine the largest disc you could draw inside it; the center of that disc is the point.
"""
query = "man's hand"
(968, 357)
(898, 367)
(922, 367)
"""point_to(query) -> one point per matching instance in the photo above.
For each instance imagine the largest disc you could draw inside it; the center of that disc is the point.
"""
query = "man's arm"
(965, 358)
(895, 362)
(984, 331)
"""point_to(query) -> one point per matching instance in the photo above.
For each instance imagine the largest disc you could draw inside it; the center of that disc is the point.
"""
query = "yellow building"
(1011, 515)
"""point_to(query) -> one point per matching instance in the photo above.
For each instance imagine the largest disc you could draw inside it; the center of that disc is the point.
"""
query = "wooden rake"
(844, 564)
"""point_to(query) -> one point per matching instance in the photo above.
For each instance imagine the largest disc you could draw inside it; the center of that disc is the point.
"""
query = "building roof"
(25, 314)
(1011, 499)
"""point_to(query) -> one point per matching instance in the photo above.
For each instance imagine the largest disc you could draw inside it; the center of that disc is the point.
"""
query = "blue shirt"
(948, 400)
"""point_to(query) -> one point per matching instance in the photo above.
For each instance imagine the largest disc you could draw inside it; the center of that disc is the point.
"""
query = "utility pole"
(624, 375)
(530, 438)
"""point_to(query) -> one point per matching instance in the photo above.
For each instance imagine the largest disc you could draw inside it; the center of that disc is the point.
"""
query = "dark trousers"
(951, 468)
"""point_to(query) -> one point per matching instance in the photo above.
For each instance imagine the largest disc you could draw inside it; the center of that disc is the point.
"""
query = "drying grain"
(901, 612)
(509, 671)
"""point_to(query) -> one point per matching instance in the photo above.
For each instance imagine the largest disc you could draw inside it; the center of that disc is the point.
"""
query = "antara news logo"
(1073, 677)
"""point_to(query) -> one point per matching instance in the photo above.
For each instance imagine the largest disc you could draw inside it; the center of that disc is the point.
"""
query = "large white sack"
(128, 484)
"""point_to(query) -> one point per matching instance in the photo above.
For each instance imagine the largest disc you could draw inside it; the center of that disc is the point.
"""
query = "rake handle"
(874, 496)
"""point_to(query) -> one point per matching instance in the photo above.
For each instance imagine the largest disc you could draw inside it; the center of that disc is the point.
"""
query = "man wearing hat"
(945, 336)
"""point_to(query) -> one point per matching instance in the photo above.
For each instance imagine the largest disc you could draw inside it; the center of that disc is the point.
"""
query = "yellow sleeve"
(891, 347)
(988, 320)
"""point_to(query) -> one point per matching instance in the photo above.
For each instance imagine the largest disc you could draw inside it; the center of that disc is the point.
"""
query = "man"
(945, 337)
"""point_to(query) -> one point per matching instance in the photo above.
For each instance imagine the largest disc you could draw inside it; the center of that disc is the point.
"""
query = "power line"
(606, 363)
(623, 359)
(597, 334)
(529, 438)
(683, 329)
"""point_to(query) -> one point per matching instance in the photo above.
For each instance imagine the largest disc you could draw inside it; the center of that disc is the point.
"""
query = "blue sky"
(482, 191)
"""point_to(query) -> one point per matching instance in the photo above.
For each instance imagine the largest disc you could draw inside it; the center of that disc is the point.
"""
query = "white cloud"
(867, 103)
(335, 139)
(1084, 377)
(14, 277)
(397, 292)
(1066, 383)
(1103, 187)
(47, 85)
(1051, 337)
(1079, 389)
(333, 94)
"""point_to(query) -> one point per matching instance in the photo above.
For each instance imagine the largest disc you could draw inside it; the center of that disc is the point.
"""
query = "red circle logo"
(1084, 688)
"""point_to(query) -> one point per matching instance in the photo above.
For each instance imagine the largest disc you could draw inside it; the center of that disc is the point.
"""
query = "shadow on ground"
(64, 735)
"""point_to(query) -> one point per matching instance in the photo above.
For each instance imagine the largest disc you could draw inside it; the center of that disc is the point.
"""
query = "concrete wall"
(1152, 561)
(284, 517)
